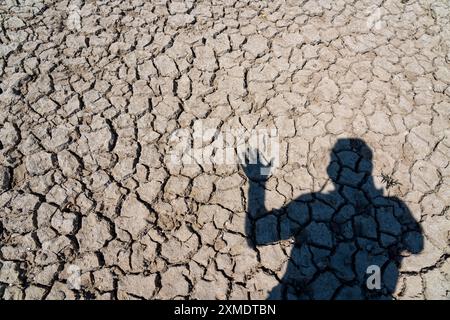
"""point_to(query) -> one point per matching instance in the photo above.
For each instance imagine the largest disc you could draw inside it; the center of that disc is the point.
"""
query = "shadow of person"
(348, 243)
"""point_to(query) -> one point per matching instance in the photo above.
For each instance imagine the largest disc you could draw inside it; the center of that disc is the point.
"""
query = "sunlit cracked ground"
(90, 92)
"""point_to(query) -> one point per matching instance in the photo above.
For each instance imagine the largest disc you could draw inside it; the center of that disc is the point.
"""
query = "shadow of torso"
(346, 247)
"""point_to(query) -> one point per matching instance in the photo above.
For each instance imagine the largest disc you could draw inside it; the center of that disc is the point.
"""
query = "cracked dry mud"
(90, 92)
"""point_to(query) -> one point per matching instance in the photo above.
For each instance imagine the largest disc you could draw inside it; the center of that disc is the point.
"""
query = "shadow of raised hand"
(255, 166)
(257, 170)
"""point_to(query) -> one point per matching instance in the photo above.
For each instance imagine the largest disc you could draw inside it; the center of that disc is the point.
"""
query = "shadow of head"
(350, 159)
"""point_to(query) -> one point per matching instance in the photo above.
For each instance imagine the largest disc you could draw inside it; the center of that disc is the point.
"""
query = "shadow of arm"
(412, 237)
(263, 227)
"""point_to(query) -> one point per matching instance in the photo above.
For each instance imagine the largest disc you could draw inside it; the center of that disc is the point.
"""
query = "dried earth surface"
(91, 92)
